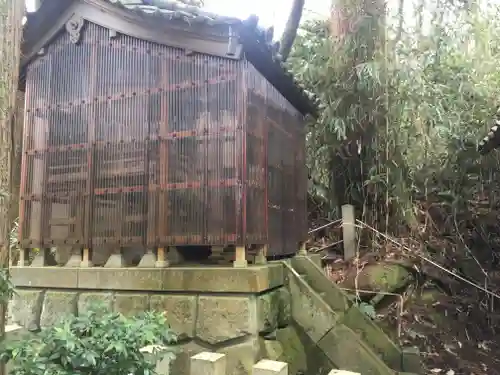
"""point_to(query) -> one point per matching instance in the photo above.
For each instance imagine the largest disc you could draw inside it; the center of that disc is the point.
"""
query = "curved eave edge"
(272, 68)
(37, 26)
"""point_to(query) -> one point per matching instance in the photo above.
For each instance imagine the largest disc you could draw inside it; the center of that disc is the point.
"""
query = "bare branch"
(291, 28)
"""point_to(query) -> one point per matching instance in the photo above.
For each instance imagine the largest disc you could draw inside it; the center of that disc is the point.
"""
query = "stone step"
(320, 322)
(374, 337)
(347, 350)
(349, 315)
(318, 281)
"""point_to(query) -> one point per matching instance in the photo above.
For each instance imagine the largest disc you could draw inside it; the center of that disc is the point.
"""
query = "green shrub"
(97, 342)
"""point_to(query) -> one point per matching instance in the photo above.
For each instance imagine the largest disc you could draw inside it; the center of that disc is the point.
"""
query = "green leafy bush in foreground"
(97, 342)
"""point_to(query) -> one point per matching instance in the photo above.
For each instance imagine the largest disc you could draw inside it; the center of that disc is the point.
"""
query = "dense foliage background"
(415, 88)
(428, 94)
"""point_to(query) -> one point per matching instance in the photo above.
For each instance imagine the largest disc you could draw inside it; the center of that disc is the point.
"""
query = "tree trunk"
(357, 30)
(420, 17)
(17, 138)
(401, 20)
(359, 24)
(291, 27)
(11, 16)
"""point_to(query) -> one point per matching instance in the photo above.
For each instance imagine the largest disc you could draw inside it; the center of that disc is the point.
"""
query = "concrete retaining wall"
(264, 311)
(235, 322)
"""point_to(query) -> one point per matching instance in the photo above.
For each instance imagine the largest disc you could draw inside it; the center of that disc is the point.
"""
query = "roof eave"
(154, 29)
(274, 71)
(241, 36)
(51, 18)
(41, 24)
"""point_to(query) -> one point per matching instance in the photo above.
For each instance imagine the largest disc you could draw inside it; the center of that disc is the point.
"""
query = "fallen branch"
(325, 226)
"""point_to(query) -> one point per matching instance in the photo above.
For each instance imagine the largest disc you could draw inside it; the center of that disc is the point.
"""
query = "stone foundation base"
(240, 322)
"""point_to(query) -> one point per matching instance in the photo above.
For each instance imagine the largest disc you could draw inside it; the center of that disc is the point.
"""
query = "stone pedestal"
(267, 367)
(148, 260)
(207, 363)
(115, 260)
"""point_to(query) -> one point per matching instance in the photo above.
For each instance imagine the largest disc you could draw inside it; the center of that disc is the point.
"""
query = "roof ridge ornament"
(74, 27)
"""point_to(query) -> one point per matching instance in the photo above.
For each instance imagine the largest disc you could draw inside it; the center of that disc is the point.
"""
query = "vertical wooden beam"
(244, 188)
(240, 158)
(349, 231)
(265, 172)
(89, 200)
(161, 258)
(302, 249)
(240, 260)
(261, 256)
(162, 193)
(152, 169)
(24, 176)
(86, 258)
(46, 201)
(24, 257)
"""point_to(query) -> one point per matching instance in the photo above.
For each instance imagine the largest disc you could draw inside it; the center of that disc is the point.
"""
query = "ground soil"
(454, 338)
(456, 329)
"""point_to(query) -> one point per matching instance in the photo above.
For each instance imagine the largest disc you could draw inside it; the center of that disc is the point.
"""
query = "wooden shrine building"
(151, 125)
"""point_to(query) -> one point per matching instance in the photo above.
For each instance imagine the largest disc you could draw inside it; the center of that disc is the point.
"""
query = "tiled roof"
(172, 9)
(257, 42)
(193, 15)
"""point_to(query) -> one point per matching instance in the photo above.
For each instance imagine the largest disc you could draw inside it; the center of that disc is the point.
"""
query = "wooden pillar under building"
(240, 257)
(24, 257)
(261, 256)
(302, 249)
(86, 258)
(161, 258)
